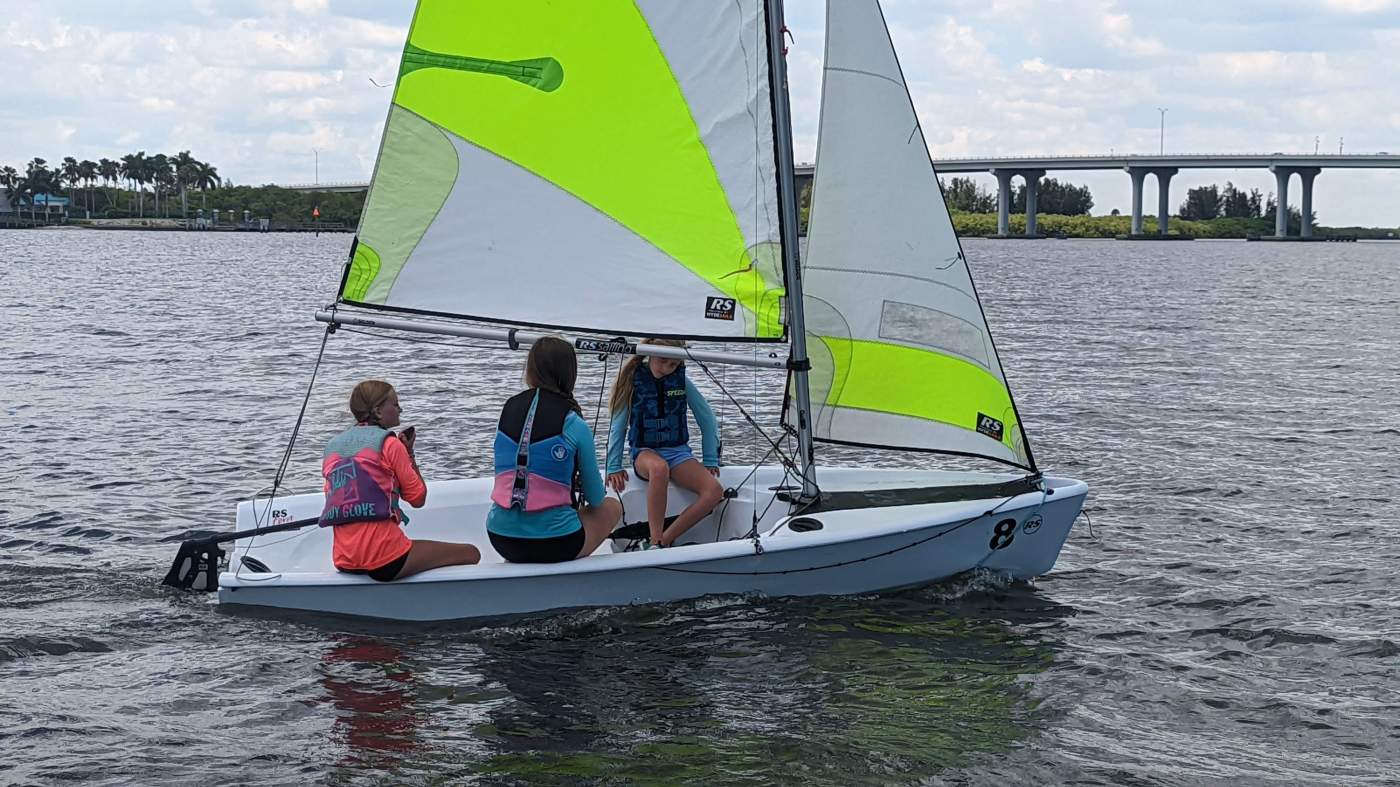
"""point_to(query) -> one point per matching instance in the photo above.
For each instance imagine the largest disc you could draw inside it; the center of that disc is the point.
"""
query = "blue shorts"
(673, 456)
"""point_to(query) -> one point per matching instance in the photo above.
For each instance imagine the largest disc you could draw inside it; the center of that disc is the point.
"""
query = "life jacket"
(535, 466)
(658, 409)
(362, 486)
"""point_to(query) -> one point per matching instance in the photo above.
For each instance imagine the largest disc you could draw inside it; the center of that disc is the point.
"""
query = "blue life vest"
(658, 409)
(535, 465)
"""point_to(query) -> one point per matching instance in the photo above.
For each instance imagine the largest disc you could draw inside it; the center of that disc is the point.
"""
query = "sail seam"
(889, 273)
(862, 72)
(447, 136)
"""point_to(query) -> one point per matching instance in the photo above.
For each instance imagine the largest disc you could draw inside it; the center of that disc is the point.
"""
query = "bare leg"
(653, 468)
(435, 554)
(693, 476)
(598, 523)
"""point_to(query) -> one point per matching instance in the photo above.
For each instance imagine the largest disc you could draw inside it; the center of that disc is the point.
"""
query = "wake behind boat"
(625, 169)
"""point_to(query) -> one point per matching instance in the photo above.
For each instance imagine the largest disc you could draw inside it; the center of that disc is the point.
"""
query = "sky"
(271, 91)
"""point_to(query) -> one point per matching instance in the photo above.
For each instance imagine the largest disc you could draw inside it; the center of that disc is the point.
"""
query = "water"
(1234, 618)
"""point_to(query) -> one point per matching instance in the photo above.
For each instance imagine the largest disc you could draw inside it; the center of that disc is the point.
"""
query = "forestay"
(604, 166)
(900, 350)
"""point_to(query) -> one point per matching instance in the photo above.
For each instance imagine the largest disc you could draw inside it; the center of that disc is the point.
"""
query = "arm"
(709, 427)
(576, 431)
(412, 490)
(617, 437)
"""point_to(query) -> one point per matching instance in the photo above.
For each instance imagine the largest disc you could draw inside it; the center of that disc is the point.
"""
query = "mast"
(798, 362)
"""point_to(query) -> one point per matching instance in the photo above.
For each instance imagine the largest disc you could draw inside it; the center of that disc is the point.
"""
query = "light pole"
(1339, 145)
(317, 154)
(1317, 141)
(1162, 138)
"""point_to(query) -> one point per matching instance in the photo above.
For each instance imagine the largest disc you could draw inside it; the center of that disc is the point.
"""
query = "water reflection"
(746, 689)
(375, 691)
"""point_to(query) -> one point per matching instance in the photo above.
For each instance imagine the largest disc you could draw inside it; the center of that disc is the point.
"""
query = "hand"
(408, 437)
(714, 471)
(617, 480)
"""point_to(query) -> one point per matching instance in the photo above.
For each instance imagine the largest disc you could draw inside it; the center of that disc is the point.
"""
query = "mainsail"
(900, 351)
(605, 166)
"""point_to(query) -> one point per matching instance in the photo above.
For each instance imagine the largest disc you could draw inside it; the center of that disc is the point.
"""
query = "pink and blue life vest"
(658, 409)
(362, 486)
(535, 465)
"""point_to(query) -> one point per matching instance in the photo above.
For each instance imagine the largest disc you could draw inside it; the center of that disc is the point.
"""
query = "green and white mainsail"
(900, 351)
(602, 166)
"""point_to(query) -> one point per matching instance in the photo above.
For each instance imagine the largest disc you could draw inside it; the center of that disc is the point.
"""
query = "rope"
(787, 461)
(597, 411)
(291, 443)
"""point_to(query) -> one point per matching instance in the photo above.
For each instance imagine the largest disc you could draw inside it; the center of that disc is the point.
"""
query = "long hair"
(621, 395)
(552, 365)
(367, 396)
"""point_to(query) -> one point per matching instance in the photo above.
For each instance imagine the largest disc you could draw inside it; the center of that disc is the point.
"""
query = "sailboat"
(624, 169)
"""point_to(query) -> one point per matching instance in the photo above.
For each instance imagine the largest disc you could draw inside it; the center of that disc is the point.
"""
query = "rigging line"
(786, 460)
(597, 411)
(292, 441)
(953, 529)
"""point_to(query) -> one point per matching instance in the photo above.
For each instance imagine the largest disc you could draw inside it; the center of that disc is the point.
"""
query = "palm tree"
(158, 175)
(206, 177)
(185, 168)
(8, 178)
(130, 169)
(71, 176)
(37, 180)
(138, 169)
(87, 170)
(110, 172)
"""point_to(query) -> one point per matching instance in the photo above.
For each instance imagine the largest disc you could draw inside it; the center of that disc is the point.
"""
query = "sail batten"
(902, 356)
(603, 167)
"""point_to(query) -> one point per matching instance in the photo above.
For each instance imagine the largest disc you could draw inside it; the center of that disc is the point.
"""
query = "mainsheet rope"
(291, 444)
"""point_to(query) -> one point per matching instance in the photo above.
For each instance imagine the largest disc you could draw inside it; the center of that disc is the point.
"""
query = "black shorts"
(385, 573)
(558, 549)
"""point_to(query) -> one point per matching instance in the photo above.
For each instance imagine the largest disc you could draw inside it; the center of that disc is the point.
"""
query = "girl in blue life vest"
(542, 446)
(648, 404)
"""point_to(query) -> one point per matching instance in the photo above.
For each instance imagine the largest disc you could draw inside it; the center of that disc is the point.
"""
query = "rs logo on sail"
(717, 308)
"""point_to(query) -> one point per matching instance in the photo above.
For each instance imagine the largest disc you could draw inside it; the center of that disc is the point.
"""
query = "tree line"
(963, 195)
(1051, 197)
(139, 186)
(1212, 202)
(165, 176)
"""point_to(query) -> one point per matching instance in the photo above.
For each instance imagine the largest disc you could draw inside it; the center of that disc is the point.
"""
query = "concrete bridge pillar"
(1164, 179)
(1004, 177)
(1138, 175)
(1307, 175)
(1281, 175)
(1032, 177)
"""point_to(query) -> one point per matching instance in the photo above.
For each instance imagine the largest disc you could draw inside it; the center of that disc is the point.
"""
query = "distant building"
(45, 206)
(50, 203)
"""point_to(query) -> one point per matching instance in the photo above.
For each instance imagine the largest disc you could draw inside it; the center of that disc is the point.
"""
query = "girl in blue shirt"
(544, 453)
(649, 402)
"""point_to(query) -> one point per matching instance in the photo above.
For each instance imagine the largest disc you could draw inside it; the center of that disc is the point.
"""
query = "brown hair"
(367, 396)
(621, 396)
(552, 365)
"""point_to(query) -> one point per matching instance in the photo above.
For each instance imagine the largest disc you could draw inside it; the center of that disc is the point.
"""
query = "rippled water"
(1233, 617)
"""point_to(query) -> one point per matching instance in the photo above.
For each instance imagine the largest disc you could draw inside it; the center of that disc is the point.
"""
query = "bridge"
(342, 187)
(1032, 168)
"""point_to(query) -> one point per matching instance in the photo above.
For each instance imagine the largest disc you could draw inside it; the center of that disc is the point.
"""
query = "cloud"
(253, 87)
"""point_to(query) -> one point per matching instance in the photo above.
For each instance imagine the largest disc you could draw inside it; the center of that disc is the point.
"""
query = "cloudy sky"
(253, 86)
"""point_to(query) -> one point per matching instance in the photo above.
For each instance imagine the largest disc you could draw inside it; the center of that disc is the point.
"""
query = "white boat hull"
(855, 550)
